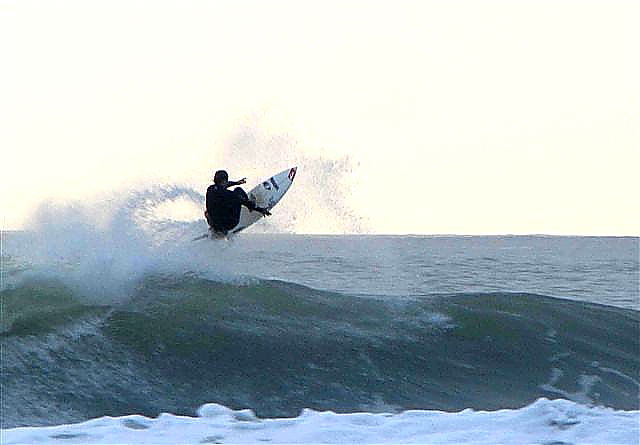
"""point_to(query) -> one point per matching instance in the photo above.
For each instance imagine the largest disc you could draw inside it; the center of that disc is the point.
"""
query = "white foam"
(543, 422)
(102, 249)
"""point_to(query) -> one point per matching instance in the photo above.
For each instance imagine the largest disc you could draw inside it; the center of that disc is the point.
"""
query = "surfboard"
(266, 194)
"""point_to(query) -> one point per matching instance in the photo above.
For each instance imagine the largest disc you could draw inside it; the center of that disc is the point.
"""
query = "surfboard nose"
(292, 173)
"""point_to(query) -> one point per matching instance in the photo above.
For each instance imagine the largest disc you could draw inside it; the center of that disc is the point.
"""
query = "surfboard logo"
(269, 183)
(292, 174)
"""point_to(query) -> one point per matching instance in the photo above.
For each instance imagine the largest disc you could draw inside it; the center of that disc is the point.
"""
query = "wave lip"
(544, 421)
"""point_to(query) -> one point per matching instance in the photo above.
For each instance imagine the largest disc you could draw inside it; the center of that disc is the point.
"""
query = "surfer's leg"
(215, 232)
(238, 191)
(206, 216)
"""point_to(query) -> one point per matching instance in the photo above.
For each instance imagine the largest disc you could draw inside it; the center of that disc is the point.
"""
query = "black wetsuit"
(223, 207)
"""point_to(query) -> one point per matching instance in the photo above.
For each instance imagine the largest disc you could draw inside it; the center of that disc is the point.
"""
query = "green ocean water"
(280, 323)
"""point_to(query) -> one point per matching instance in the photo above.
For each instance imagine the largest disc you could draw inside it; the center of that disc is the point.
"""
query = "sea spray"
(103, 247)
(321, 198)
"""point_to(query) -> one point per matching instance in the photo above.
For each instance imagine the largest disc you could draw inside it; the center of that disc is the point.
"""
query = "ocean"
(111, 335)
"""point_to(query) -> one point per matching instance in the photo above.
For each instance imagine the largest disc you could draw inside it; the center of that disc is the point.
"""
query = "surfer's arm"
(234, 183)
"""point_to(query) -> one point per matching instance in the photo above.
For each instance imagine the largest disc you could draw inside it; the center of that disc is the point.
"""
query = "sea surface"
(116, 324)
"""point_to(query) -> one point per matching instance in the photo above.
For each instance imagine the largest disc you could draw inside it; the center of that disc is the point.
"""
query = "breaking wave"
(182, 340)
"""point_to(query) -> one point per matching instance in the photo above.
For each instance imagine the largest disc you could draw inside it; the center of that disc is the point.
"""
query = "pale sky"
(467, 117)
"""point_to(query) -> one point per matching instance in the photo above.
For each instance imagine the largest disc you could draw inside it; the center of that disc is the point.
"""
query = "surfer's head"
(221, 177)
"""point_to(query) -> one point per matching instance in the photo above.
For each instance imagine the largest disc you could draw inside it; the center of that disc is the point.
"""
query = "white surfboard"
(266, 195)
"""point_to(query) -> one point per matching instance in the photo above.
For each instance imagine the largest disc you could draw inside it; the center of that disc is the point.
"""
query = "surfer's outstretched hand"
(264, 211)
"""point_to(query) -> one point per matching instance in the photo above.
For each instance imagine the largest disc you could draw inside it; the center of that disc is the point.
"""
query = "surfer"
(223, 205)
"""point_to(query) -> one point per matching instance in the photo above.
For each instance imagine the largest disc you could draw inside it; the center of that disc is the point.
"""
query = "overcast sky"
(469, 117)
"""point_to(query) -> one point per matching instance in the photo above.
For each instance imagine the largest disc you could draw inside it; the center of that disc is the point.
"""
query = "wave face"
(182, 340)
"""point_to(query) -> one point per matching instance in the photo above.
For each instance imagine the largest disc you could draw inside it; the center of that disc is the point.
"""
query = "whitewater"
(117, 328)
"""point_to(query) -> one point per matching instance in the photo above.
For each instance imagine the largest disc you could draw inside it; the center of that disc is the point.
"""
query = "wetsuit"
(223, 207)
